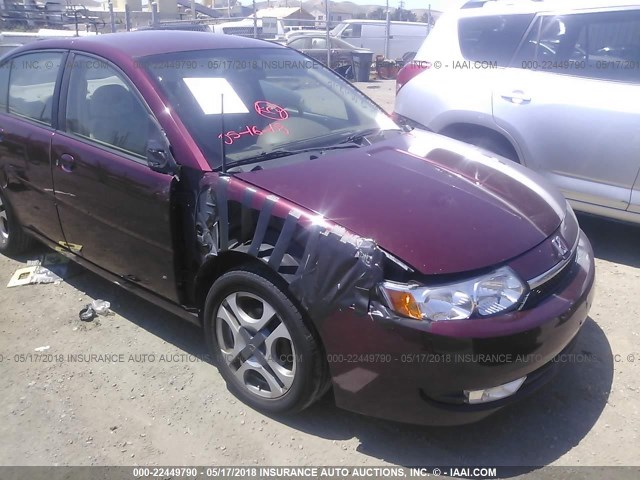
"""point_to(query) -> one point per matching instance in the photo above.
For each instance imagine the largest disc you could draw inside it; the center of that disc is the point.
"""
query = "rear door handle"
(66, 162)
(517, 96)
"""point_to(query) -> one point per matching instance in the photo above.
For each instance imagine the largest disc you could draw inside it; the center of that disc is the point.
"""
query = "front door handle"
(517, 96)
(66, 162)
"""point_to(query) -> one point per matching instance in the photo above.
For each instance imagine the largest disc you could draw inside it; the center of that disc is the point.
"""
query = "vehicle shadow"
(612, 241)
(531, 433)
(140, 312)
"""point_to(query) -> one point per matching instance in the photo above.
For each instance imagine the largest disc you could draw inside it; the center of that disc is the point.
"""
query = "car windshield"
(261, 100)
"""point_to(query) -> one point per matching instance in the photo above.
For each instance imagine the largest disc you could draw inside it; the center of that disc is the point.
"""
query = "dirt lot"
(158, 404)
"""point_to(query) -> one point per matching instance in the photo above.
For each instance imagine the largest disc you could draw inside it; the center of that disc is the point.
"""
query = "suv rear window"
(494, 38)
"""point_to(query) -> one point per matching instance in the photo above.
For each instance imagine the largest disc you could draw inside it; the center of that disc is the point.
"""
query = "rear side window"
(602, 45)
(493, 38)
(32, 84)
(300, 43)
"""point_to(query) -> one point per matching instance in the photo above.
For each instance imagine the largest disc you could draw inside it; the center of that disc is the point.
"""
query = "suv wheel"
(13, 239)
(260, 342)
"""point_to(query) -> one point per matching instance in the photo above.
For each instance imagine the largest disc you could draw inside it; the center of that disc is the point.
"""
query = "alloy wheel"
(4, 221)
(256, 345)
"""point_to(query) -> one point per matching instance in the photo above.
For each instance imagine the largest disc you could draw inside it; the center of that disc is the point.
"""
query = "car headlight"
(483, 296)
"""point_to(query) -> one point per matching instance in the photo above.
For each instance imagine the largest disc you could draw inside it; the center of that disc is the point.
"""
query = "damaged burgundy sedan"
(245, 187)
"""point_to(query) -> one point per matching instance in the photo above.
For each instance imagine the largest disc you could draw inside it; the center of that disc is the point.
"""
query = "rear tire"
(259, 340)
(13, 239)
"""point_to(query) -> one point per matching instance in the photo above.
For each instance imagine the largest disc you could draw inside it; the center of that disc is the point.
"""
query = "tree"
(377, 14)
(404, 15)
(425, 18)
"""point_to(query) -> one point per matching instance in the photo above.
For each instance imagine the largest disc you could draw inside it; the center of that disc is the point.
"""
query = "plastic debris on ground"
(95, 308)
(101, 307)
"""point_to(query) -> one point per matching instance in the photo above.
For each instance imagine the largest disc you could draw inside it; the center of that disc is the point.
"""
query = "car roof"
(500, 7)
(150, 42)
(369, 21)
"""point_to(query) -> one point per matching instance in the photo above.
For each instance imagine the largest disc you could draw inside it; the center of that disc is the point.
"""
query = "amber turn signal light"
(403, 303)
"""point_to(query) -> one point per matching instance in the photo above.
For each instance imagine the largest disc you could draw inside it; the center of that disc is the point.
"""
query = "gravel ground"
(156, 403)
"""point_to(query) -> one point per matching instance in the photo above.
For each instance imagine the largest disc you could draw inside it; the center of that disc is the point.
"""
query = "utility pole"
(127, 17)
(154, 13)
(326, 18)
(112, 18)
(194, 15)
(255, 20)
(387, 29)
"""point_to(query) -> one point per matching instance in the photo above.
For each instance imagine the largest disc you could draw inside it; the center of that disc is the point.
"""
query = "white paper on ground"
(32, 275)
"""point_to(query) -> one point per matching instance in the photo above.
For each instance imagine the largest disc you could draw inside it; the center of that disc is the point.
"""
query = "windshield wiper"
(359, 136)
(286, 153)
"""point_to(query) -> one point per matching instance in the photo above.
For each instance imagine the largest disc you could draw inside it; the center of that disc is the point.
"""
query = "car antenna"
(222, 144)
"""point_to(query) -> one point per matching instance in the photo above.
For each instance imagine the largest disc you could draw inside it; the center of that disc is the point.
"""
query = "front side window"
(32, 84)
(256, 101)
(102, 107)
(492, 38)
(318, 43)
(602, 45)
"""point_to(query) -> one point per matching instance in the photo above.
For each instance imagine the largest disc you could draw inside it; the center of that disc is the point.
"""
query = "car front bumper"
(405, 370)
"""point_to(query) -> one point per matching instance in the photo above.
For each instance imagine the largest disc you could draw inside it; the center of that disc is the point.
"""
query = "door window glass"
(603, 45)
(352, 31)
(4, 85)
(318, 43)
(102, 107)
(492, 39)
(32, 84)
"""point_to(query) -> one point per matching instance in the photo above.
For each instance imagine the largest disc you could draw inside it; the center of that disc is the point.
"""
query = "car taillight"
(409, 71)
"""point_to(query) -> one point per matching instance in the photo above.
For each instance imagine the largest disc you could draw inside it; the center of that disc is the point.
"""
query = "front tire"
(13, 239)
(260, 342)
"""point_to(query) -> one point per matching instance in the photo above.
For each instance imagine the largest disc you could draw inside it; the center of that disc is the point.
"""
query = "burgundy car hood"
(439, 205)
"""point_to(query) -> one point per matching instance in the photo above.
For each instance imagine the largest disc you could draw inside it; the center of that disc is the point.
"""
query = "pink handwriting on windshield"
(253, 131)
(270, 110)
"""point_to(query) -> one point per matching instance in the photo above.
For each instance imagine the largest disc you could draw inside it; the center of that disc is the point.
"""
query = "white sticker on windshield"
(208, 92)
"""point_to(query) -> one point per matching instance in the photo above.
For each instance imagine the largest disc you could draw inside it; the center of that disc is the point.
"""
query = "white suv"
(554, 85)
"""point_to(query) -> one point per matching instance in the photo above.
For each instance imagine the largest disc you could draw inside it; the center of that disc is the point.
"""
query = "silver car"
(551, 84)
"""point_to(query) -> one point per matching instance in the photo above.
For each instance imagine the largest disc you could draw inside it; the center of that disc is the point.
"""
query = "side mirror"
(159, 157)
